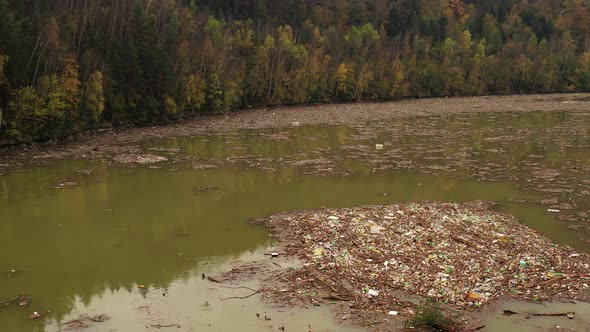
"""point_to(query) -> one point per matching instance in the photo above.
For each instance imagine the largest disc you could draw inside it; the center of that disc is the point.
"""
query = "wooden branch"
(241, 297)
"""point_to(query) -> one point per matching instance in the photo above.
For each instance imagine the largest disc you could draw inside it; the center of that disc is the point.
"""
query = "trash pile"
(460, 254)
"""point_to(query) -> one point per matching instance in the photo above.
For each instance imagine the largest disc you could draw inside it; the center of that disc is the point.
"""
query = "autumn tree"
(93, 100)
(69, 87)
(22, 110)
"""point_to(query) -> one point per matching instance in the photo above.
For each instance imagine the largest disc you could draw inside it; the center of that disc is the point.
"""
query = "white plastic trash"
(378, 146)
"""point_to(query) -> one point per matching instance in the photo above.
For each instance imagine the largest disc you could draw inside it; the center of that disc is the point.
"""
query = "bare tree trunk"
(81, 31)
(35, 48)
(114, 19)
(38, 62)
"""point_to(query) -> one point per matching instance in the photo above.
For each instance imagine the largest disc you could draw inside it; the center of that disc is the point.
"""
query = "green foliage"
(51, 112)
(22, 114)
(430, 315)
(148, 62)
(214, 96)
(213, 29)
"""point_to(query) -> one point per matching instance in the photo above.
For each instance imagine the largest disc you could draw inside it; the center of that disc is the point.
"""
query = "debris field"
(461, 254)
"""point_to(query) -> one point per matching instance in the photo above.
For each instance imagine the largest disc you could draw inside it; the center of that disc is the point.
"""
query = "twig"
(241, 297)
(569, 315)
(336, 297)
(323, 281)
(239, 287)
(556, 314)
(545, 282)
(159, 326)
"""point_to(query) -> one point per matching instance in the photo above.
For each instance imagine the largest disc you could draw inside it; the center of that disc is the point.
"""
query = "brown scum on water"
(463, 255)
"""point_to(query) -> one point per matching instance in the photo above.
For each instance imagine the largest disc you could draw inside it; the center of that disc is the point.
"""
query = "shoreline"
(90, 145)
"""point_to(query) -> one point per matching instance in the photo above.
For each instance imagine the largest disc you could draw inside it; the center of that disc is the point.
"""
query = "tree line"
(72, 65)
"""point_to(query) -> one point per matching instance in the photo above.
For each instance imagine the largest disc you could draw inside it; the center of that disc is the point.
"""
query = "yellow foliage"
(69, 83)
(170, 105)
(93, 97)
(342, 74)
(193, 96)
(466, 40)
(269, 42)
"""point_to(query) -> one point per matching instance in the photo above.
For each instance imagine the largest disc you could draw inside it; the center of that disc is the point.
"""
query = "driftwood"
(570, 315)
(550, 281)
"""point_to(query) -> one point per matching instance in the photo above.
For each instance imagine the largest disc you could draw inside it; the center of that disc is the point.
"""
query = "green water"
(495, 320)
(85, 249)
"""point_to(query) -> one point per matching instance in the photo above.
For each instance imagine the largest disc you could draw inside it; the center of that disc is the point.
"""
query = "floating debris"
(38, 314)
(200, 189)
(65, 185)
(85, 321)
(141, 159)
(461, 254)
(21, 300)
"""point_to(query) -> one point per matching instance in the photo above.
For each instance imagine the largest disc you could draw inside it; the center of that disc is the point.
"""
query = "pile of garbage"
(461, 254)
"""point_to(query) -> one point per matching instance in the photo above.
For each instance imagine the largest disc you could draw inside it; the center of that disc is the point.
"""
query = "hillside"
(67, 66)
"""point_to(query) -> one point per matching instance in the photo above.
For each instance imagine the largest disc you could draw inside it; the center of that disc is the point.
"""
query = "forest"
(72, 65)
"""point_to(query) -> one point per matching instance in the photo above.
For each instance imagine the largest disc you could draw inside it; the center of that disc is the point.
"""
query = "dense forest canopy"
(71, 65)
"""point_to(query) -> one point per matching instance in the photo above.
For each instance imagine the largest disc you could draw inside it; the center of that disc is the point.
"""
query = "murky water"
(85, 249)
(525, 321)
